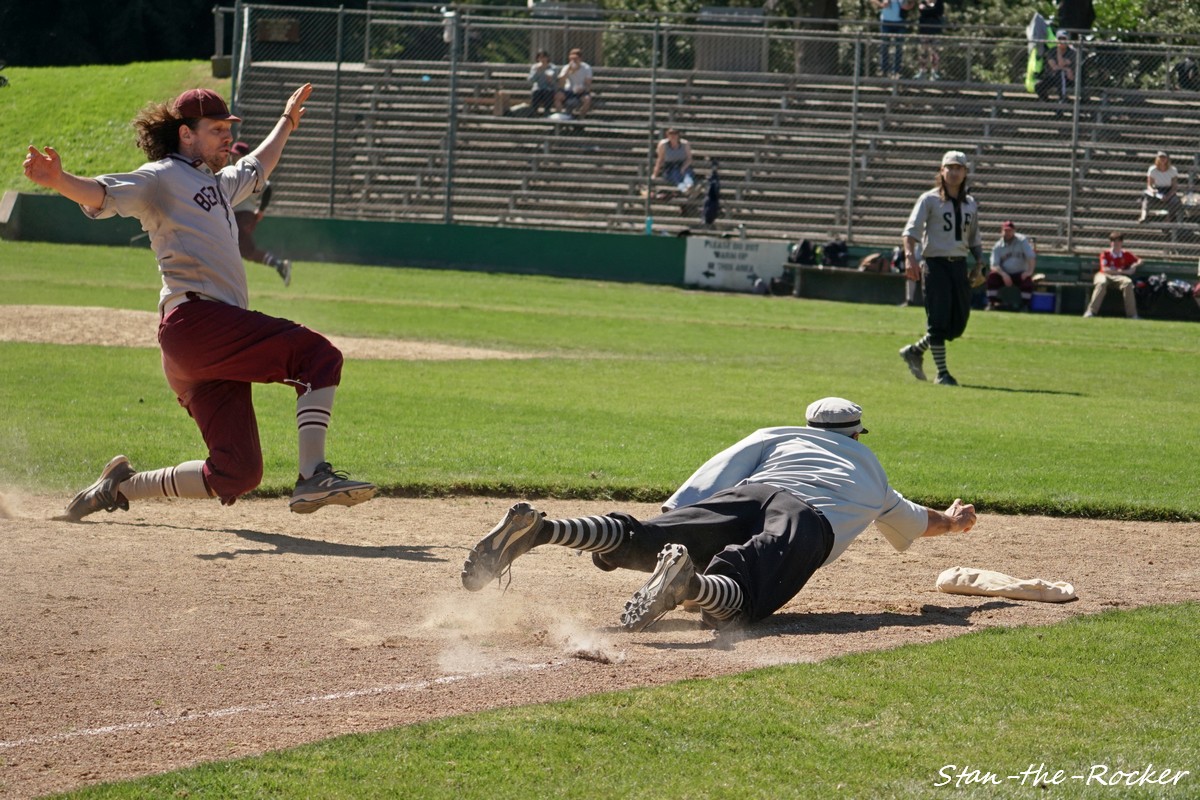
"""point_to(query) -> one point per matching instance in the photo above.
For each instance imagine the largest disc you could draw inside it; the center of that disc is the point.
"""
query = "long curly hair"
(157, 127)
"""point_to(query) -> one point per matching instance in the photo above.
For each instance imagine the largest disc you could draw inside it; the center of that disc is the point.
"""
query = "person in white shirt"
(574, 85)
(1162, 184)
(745, 532)
(1013, 263)
(944, 226)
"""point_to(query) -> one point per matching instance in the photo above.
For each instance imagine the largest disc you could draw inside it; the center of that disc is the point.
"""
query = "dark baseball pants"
(212, 353)
(765, 538)
(947, 298)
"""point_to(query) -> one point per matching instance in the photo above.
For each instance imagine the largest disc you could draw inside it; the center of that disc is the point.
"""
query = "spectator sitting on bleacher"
(574, 86)
(1117, 266)
(543, 77)
(1162, 183)
(1013, 262)
(673, 164)
(1059, 75)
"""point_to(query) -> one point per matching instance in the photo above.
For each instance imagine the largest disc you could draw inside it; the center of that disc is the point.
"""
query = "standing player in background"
(248, 214)
(213, 347)
(944, 223)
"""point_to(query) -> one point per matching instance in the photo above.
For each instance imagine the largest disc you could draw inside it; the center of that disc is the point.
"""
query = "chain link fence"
(816, 129)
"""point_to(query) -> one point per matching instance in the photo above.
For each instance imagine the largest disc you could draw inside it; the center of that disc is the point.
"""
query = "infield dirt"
(178, 633)
(183, 632)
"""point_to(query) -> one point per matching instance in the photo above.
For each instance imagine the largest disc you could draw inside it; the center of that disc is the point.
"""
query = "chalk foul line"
(395, 688)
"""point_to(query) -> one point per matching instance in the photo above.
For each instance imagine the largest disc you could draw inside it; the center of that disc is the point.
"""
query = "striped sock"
(922, 344)
(720, 595)
(313, 412)
(939, 357)
(598, 534)
(185, 480)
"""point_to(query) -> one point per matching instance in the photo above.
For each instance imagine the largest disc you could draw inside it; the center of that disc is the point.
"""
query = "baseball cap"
(1161, 154)
(197, 103)
(1062, 35)
(240, 149)
(835, 414)
(955, 157)
(1006, 225)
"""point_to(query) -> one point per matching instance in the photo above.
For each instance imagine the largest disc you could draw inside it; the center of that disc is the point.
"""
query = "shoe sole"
(115, 464)
(486, 560)
(338, 497)
(651, 602)
(917, 371)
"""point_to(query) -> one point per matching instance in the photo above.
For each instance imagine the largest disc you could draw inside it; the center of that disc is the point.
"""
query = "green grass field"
(633, 386)
(636, 386)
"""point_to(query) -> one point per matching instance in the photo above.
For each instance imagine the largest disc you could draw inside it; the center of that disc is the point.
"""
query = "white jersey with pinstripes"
(944, 228)
(188, 212)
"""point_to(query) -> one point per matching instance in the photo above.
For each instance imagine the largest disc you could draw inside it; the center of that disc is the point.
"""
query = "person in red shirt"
(1117, 266)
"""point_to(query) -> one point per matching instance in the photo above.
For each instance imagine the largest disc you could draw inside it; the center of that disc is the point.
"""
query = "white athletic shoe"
(667, 588)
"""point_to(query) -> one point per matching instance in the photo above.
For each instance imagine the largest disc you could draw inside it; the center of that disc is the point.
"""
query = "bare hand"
(912, 269)
(962, 516)
(43, 169)
(295, 109)
(1007, 279)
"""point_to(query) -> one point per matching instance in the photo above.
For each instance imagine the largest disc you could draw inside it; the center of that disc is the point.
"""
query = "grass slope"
(84, 113)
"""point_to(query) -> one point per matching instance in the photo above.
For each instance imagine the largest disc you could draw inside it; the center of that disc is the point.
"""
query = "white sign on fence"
(732, 264)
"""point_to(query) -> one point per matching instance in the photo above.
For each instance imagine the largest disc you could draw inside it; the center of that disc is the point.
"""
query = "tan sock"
(185, 480)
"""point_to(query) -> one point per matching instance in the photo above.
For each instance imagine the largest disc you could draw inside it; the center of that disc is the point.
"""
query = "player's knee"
(244, 478)
(326, 367)
(235, 472)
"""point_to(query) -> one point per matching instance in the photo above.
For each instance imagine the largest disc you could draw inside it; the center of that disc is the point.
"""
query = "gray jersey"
(830, 471)
(1013, 257)
(188, 212)
(943, 228)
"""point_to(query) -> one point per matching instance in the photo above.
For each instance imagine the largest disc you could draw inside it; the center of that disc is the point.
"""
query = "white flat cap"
(835, 414)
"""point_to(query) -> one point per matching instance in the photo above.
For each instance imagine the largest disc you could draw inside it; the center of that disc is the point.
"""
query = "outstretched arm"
(958, 517)
(45, 169)
(271, 149)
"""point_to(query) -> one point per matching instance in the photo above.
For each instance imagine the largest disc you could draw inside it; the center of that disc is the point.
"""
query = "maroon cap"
(1008, 226)
(240, 149)
(197, 103)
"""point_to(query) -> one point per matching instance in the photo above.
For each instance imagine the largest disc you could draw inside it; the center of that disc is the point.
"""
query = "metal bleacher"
(799, 156)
